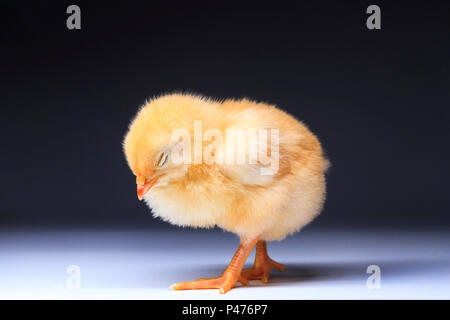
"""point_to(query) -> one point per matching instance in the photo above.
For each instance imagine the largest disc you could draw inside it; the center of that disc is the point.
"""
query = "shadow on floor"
(294, 273)
(354, 271)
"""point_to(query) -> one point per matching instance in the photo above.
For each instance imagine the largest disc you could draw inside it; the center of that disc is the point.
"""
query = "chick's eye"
(162, 159)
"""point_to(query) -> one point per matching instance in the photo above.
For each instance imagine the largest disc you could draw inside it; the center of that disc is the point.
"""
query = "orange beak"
(143, 188)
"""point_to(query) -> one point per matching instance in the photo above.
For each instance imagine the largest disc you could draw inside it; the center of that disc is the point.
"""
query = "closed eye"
(162, 159)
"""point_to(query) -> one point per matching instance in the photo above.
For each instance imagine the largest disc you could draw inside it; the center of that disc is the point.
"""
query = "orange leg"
(262, 266)
(229, 277)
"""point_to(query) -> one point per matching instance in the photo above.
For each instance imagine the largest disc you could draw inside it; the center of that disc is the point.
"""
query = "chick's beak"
(143, 188)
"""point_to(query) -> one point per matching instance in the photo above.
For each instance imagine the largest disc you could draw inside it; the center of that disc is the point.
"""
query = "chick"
(182, 149)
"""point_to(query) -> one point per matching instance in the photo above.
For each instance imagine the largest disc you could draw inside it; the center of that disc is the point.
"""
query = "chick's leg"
(262, 266)
(229, 277)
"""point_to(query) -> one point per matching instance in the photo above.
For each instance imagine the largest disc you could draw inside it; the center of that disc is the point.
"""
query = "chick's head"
(150, 149)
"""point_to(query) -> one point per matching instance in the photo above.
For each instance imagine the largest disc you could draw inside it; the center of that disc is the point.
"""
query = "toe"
(197, 284)
(243, 280)
(252, 274)
(278, 266)
(265, 277)
(224, 284)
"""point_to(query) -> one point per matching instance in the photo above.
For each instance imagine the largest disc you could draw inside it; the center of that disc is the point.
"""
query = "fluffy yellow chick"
(246, 167)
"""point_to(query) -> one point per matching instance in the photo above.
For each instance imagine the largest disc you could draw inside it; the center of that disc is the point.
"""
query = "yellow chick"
(246, 167)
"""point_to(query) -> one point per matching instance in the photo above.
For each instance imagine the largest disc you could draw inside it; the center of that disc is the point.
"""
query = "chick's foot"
(230, 276)
(223, 283)
(261, 267)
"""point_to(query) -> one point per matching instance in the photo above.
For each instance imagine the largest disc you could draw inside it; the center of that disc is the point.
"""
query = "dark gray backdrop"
(378, 100)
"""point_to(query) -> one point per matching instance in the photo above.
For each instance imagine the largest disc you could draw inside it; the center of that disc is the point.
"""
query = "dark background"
(378, 100)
